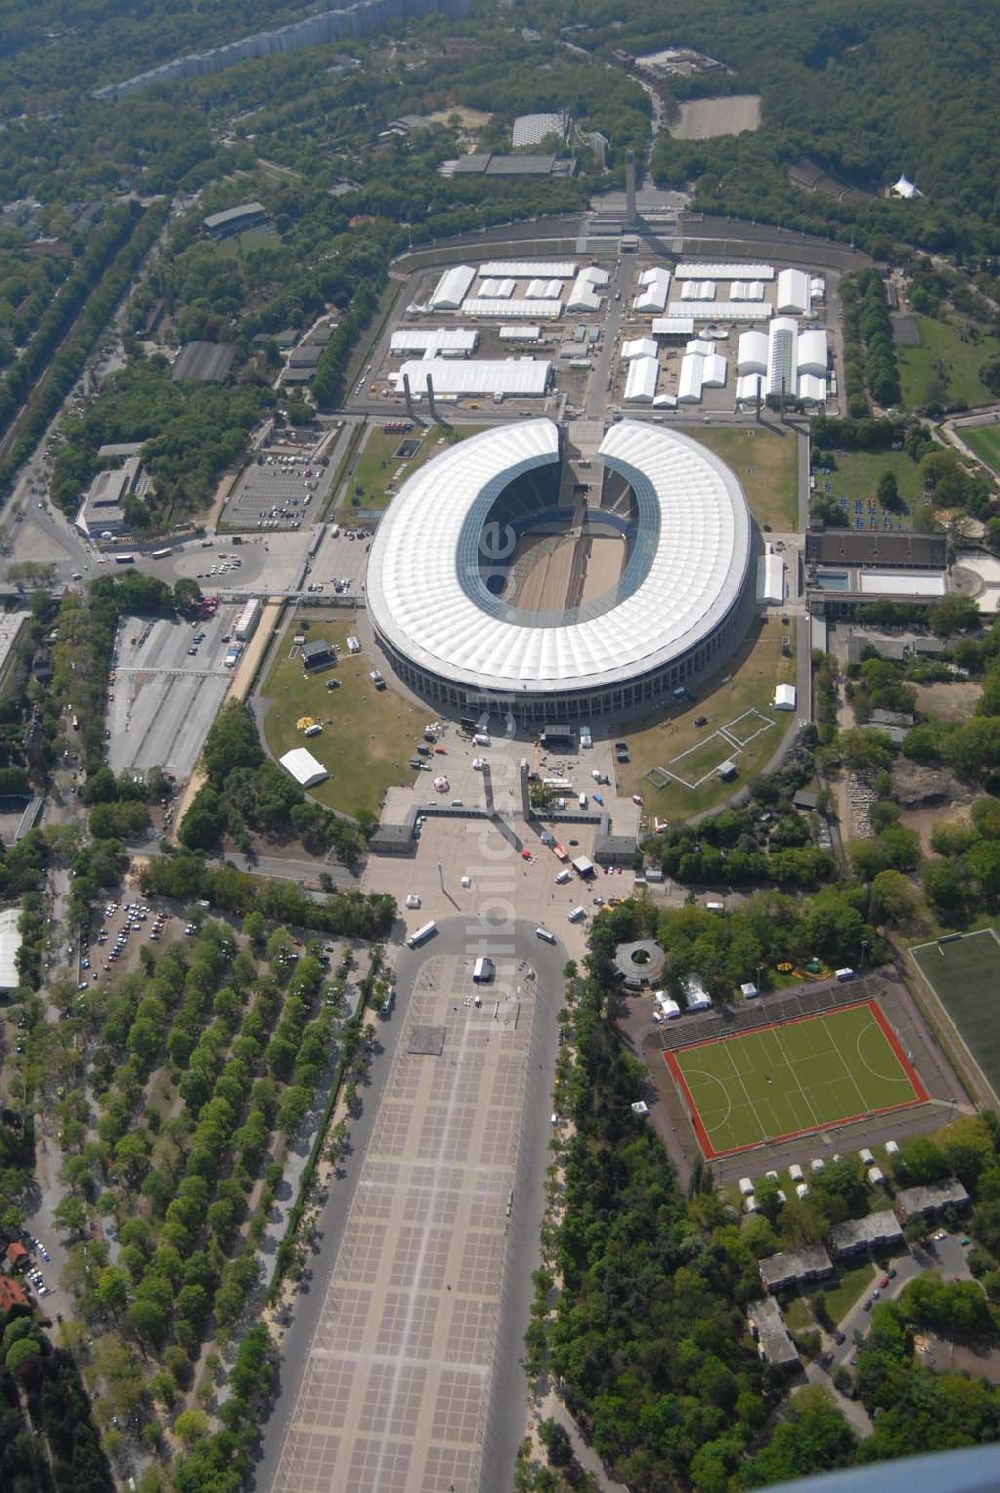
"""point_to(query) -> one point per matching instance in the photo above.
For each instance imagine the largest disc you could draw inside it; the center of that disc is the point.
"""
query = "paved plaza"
(395, 1393)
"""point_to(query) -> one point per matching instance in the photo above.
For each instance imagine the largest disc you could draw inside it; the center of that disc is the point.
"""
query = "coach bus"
(160, 554)
(124, 559)
(422, 935)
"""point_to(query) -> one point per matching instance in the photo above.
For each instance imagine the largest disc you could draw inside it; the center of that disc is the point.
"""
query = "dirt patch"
(948, 702)
(471, 119)
(917, 787)
(706, 118)
(924, 820)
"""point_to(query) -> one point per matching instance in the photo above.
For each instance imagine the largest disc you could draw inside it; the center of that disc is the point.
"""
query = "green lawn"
(944, 365)
(965, 977)
(767, 466)
(746, 684)
(380, 473)
(792, 1079)
(368, 734)
(798, 1315)
(856, 475)
(852, 1283)
(985, 441)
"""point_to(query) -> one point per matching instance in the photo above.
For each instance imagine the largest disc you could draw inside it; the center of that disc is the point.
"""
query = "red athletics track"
(920, 1095)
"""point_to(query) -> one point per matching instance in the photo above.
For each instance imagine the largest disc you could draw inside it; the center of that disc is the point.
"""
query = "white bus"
(421, 935)
(160, 555)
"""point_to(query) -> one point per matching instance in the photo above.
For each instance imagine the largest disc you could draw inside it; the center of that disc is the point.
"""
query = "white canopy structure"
(452, 288)
(905, 188)
(782, 352)
(793, 296)
(811, 389)
(725, 313)
(750, 388)
(751, 355)
(517, 306)
(543, 290)
(811, 352)
(652, 298)
(698, 290)
(497, 290)
(518, 378)
(771, 578)
(746, 290)
(713, 375)
(519, 334)
(643, 376)
(528, 269)
(726, 271)
(784, 697)
(686, 583)
(435, 342)
(672, 326)
(639, 347)
(583, 295)
(303, 767)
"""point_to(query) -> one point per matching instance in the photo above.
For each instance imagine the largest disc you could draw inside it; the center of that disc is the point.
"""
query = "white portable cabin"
(784, 697)
(698, 998)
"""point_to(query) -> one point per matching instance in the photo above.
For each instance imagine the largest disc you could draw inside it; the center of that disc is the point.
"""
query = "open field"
(380, 472)
(984, 440)
(965, 976)
(747, 684)
(856, 475)
(767, 466)
(707, 118)
(368, 734)
(943, 359)
(793, 1078)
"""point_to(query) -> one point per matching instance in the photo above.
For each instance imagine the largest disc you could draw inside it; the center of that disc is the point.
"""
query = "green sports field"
(965, 977)
(793, 1078)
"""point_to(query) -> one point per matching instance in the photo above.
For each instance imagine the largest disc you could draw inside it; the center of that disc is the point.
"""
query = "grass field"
(856, 474)
(368, 734)
(985, 441)
(792, 1079)
(965, 977)
(767, 466)
(945, 360)
(749, 678)
(378, 466)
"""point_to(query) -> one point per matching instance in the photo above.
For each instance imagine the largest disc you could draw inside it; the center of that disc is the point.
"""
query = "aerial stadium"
(500, 582)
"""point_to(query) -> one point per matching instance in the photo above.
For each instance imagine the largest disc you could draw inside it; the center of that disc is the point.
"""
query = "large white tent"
(723, 313)
(639, 347)
(811, 352)
(496, 289)
(513, 377)
(452, 288)
(443, 342)
(303, 767)
(640, 386)
(517, 306)
(751, 356)
(793, 296)
(522, 269)
(729, 270)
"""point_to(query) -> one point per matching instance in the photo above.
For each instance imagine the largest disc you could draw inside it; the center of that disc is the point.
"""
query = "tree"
(190, 1426)
(70, 1215)
(989, 373)
(149, 1322)
(894, 899)
(112, 1290)
(887, 493)
(187, 594)
(952, 614)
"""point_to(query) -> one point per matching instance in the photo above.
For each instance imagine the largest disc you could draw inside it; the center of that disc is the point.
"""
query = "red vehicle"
(560, 852)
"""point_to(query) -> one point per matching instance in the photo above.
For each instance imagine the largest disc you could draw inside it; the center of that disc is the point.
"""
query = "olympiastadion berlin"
(498, 581)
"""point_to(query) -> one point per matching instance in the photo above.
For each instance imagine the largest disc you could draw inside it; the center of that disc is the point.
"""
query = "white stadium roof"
(303, 767)
(428, 601)
(528, 269)
(727, 271)
(640, 386)
(723, 312)
(528, 377)
(516, 306)
(435, 341)
(452, 288)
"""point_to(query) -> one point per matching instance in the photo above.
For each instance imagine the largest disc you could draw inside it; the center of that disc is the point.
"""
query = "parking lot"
(277, 493)
(165, 689)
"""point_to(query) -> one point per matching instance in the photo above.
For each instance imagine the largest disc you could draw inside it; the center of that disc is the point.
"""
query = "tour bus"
(160, 555)
(124, 559)
(421, 935)
(482, 974)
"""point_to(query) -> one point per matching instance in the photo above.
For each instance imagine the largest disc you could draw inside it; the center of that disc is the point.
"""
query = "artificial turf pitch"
(964, 974)
(793, 1078)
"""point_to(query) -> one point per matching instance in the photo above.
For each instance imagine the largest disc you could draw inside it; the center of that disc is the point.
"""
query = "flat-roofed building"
(875, 549)
(876, 1231)
(767, 1327)
(235, 219)
(928, 1202)
(784, 1270)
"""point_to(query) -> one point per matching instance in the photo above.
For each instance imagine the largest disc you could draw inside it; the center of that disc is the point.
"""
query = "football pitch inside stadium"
(793, 1078)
